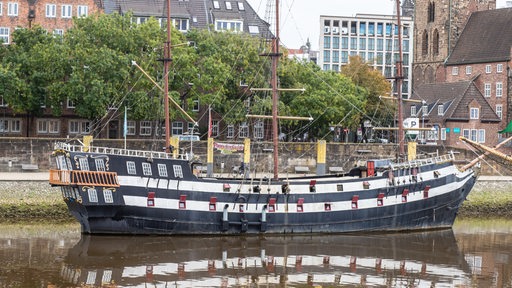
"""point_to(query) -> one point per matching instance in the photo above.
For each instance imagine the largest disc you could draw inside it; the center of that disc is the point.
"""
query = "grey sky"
(300, 19)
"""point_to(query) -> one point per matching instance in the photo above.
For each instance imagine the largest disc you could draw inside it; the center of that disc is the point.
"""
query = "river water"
(472, 254)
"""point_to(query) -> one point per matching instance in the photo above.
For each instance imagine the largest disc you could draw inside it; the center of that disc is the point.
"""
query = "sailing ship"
(123, 191)
(426, 259)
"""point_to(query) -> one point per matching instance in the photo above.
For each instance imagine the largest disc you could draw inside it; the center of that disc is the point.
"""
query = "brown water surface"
(472, 254)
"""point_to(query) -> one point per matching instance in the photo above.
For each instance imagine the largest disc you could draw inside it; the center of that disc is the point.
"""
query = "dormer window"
(440, 110)
(424, 110)
(474, 113)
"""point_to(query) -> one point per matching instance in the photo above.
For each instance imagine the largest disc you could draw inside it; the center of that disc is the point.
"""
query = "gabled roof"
(487, 37)
(455, 98)
(201, 13)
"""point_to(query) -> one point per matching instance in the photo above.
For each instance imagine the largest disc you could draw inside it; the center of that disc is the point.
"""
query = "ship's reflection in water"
(430, 259)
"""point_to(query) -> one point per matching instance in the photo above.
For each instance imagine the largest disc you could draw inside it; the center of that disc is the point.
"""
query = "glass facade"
(373, 38)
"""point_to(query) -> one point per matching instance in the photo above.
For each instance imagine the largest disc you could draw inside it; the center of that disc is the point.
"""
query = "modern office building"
(372, 37)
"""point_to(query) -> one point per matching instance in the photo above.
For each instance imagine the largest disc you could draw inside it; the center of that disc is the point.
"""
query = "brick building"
(55, 16)
(437, 27)
(482, 57)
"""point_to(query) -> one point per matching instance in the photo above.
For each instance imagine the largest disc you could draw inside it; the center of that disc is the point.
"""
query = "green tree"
(381, 112)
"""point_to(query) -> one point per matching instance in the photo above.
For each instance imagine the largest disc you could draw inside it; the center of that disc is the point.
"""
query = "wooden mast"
(275, 93)
(167, 59)
(399, 78)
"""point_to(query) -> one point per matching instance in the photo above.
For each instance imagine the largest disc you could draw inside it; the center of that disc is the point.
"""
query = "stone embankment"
(38, 201)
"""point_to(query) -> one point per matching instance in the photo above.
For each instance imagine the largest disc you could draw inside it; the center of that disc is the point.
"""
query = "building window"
(327, 42)
(54, 126)
(481, 135)
(12, 9)
(181, 24)
(195, 106)
(226, 25)
(177, 128)
(145, 128)
(4, 35)
(42, 127)
(424, 109)
(487, 68)
(130, 127)
(146, 169)
(440, 110)
(162, 170)
(82, 11)
(228, 5)
(258, 130)
(58, 32)
(215, 128)
(66, 11)
(231, 131)
(469, 70)
(130, 166)
(499, 89)
(216, 4)
(254, 29)
(241, 6)
(51, 10)
(327, 56)
(474, 135)
(499, 110)
(243, 130)
(413, 110)
(487, 89)
(443, 134)
(455, 71)
(465, 133)
(1, 8)
(474, 113)
(499, 68)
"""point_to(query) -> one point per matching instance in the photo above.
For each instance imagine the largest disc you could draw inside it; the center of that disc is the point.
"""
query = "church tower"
(437, 26)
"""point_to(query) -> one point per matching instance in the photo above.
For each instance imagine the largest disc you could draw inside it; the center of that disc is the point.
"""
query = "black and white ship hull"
(115, 191)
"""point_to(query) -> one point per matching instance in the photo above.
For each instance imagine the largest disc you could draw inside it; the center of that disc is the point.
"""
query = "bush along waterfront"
(38, 201)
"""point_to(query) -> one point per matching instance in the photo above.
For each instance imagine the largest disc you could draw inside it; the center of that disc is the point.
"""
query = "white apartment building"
(373, 37)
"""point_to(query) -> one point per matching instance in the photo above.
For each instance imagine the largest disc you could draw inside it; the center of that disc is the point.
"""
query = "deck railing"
(88, 178)
(116, 151)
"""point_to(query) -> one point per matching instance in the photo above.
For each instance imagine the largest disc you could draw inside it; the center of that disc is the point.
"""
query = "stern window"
(84, 164)
(130, 165)
(162, 170)
(100, 165)
(178, 172)
(146, 169)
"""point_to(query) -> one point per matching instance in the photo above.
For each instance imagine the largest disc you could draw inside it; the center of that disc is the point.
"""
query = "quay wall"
(16, 153)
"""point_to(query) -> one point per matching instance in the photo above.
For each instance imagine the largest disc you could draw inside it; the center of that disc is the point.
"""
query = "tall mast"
(399, 78)
(275, 94)
(167, 59)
